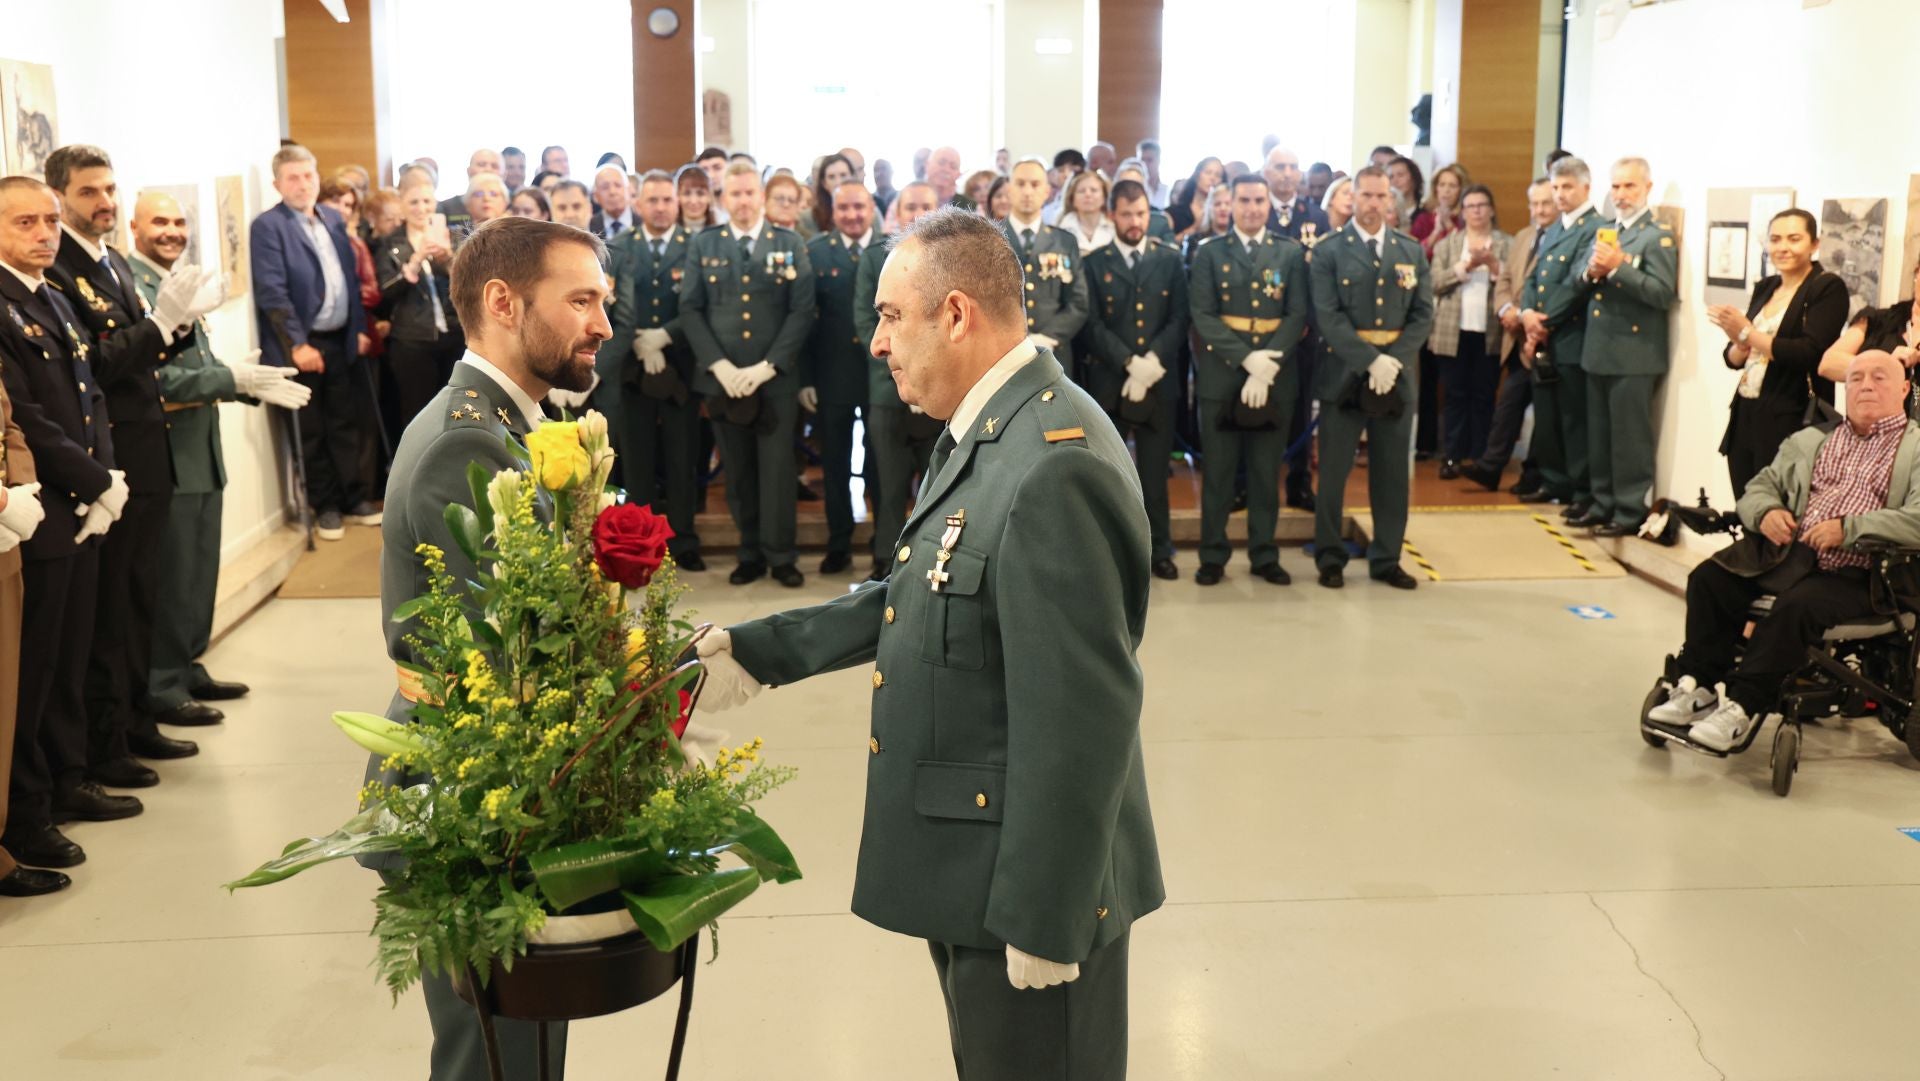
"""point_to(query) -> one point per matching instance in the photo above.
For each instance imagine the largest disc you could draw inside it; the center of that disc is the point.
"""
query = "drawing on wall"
(1902, 289)
(230, 226)
(716, 110)
(188, 196)
(1727, 255)
(31, 125)
(1853, 244)
(1736, 240)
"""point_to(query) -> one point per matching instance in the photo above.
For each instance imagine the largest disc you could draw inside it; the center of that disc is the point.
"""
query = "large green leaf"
(465, 527)
(674, 907)
(359, 834)
(760, 848)
(477, 480)
(377, 734)
(572, 873)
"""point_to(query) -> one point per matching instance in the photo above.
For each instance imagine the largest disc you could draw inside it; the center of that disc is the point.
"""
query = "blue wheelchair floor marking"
(1589, 611)
(1912, 832)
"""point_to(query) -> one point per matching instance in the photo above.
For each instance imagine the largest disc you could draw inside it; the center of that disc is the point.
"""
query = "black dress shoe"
(1537, 495)
(1164, 568)
(1397, 578)
(1449, 469)
(690, 562)
(29, 882)
(190, 714)
(1616, 529)
(155, 745)
(1333, 577)
(88, 802)
(879, 572)
(806, 495)
(789, 575)
(1300, 497)
(1209, 574)
(1275, 573)
(123, 773)
(747, 572)
(1576, 510)
(214, 690)
(45, 848)
(1484, 476)
(833, 564)
(1589, 520)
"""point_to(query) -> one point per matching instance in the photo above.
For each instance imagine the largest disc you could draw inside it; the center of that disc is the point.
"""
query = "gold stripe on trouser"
(12, 597)
(175, 407)
(1250, 326)
(1378, 337)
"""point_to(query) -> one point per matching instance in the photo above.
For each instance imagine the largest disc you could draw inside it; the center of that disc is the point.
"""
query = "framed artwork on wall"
(28, 120)
(1853, 244)
(1736, 240)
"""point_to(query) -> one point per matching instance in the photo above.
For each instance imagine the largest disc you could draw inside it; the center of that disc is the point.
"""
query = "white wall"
(176, 91)
(725, 68)
(1690, 86)
(1391, 43)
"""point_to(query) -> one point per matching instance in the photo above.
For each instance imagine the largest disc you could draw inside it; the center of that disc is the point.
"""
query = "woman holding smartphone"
(1466, 338)
(412, 264)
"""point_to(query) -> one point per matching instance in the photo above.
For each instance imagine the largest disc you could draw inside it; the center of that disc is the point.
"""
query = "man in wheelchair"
(1805, 516)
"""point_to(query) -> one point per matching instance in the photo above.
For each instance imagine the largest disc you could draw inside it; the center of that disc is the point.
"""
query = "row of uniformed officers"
(762, 325)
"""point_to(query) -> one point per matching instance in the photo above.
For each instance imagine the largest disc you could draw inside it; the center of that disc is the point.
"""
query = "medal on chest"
(938, 575)
(780, 265)
(1271, 285)
(93, 299)
(1406, 275)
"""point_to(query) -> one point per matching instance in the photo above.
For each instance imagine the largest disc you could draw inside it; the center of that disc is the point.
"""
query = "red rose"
(629, 541)
(679, 724)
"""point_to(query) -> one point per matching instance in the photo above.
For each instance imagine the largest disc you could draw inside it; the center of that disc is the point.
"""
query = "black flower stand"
(581, 980)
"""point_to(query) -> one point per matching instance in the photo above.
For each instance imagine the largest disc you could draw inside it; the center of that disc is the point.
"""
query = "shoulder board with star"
(468, 407)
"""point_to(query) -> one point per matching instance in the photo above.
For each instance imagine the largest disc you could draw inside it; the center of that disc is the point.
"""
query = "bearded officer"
(1015, 835)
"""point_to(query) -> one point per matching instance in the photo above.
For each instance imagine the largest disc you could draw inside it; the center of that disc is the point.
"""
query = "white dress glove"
(1253, 393)
(1262, 364)
(187, 294)
(1146, 368)
(650, 340)
(728, 684)
(1025, 971)
(728, 375)
(810, 399)
(1042, 341)
(755, 376)
(653, 363)
(285, 392)
(115, 497)
(573, 400)
(916, 411)
(1382, 372)
(95, 521)
(23, 513)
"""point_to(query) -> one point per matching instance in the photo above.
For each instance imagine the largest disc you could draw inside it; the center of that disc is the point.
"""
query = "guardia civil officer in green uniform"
(646, 369)
(747, 306)
(1373, 302)
(192, 382)
(1634, 275)
(531, 296)
(833, 370)
(1139, 290)
(902, 435)
(1006, 814)
(1555, 321)
(1056, 290)
(1250, 293)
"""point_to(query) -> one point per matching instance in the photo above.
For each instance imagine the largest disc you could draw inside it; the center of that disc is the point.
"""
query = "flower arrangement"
(543, 771)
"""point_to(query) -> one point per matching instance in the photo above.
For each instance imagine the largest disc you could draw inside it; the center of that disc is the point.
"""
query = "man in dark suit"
(833, 371)
(59, 405)
(128, 344)
(610, 191)
(307, 296)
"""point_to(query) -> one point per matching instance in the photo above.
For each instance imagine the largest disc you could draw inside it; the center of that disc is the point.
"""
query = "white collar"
(33, 283)
(529, 410)
(1251, 240)
(747, 234)
(1380, 236)
(1628, 222)
(137, 256)
(651, 237)
(1022, 226)
(865, 240)
(989, 385)
(1567, 220)
(94, 251)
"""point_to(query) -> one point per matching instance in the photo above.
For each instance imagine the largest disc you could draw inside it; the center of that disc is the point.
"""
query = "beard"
(550, 353)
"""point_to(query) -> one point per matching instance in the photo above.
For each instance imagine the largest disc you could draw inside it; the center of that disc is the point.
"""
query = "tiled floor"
(1409, 837)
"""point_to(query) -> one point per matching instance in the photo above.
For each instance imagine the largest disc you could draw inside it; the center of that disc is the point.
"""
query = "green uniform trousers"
(1620, 444)
(1069, 1032)
(659, 447)
(897, 458)
(1389, 442)
(189, 577)
(1224, 451)
(1560, 444)
(762, 482)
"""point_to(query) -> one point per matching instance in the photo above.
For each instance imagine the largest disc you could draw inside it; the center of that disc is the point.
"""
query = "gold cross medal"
(955, 523)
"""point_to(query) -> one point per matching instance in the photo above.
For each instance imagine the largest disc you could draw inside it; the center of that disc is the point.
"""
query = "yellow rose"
(559, 461)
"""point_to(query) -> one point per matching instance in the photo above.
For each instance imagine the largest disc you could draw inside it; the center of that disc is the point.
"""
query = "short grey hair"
(965, 253)
(1646, 170)
(289, 154)
(1573, 167)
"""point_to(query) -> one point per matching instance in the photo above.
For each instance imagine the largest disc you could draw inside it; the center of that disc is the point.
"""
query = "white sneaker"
(328, 526)
(1688, 704)
(1728, 725)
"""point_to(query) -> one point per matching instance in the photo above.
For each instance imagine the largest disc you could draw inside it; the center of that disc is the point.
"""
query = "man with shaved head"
(1018, 843)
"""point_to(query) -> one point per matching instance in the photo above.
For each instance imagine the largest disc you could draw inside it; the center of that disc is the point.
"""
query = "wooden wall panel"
(1499, 81)
(1129, 98)
(666, 93)
(336, 84)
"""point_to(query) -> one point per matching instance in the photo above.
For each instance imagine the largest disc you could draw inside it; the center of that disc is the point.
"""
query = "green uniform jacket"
(1142, 310)
(646, 295)
(881, 389)
(1354, 292)
(1788, 483)
(836, 361)
(1006, 796)
(747, 308)
(1269, 283)
(191, 382)
(1627, 314)
(1555, 288)
(1057, 302)
(1160, 227)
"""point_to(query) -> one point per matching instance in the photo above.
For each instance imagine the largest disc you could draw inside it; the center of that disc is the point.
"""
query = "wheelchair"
(1866, 668)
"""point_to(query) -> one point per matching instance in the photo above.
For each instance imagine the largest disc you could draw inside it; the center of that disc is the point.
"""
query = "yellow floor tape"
(1564, 542)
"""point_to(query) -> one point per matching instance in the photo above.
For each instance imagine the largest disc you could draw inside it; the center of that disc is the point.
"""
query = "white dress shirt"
(1375, 242)
(33, 282)
(1101, 236)
(530, 414)
(989, 385)
(333, 305)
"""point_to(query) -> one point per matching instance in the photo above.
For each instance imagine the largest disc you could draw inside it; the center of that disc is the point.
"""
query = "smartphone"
(437, 231)
(1609, 235)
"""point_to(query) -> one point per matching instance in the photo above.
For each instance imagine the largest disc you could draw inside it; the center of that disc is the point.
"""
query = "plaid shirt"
(1850, 477)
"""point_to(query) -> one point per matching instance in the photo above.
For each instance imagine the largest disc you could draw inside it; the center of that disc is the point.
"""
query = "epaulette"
(465, 407)
(1066, 433)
